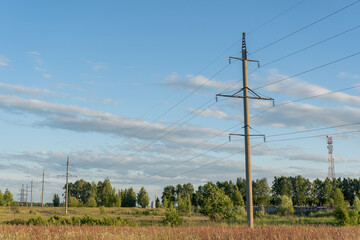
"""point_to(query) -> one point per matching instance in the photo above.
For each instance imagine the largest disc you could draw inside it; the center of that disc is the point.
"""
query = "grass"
(184, 232)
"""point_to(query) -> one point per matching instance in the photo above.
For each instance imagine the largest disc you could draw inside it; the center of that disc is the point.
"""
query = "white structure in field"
(331, 171)
(153, 204)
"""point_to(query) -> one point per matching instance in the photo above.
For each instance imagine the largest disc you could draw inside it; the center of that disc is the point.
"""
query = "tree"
(128, 198)
(236, 198)
(281, 186)
(2, 203)
(286, 205)
(356, 204)
(261, 192)
(184, 204)
(301, 190)
(216, 203)
(143, 198)
(8, 198)
(105, 193)
(241, 184)
(73, 202)
(339, 200)
(169, 194)
(157, 203)
(184, 190)
(91, 202)
(56, 200)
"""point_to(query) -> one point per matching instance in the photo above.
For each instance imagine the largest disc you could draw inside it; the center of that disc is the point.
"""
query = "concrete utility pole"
(31, 193)
(246, 90)
(67, 186)
(42, 193)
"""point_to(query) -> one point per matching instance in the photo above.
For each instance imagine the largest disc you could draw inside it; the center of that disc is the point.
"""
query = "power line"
(309, 25)
(309, 70)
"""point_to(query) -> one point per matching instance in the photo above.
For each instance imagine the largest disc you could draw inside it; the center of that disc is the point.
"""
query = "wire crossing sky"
(127, 90)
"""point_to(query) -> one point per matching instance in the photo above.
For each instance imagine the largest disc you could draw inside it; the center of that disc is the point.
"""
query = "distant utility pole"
(331, 170)
(22, 195)
(27, 193)
(67, 186)
(42, 192)
(31, 193)
(245, 90)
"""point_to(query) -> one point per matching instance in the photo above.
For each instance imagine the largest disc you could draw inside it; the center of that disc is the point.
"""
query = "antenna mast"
(331, 170)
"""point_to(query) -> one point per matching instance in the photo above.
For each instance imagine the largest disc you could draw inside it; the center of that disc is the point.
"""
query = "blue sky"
(127, 90)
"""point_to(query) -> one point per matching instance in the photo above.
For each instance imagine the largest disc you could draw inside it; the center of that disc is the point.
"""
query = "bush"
(172, 217)
(353, 217)
(88, 220)
(286, 206)
(231, 213)
(91, 202)
(36, 221)
(57, 220)
(261, 213)
(102, 210)
(76, 221)
(341, 215)
(356, 204)
(16, 221)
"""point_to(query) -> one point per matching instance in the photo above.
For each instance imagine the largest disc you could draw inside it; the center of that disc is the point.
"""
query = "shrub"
(261, 213)
(36, 221)
(102, 210)
(16, 221)
(356, 204)
(353, 217)
(88, 220)
(341, 215)
(172, 217)
(286, 205)
(76, 221)
(91, 202)
(231, 213)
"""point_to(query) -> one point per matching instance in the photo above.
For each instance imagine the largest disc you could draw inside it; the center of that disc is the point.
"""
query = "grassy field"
(146, 224)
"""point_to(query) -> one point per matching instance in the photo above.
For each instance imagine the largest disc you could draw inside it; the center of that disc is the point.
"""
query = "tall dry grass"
(201, 232)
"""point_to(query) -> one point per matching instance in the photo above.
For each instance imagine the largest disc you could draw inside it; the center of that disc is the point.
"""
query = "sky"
(126, 90)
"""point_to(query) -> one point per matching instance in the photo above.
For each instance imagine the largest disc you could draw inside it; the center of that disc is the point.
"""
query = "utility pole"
(246, 90)
(67, 186)
(31, 193)
(42, 193)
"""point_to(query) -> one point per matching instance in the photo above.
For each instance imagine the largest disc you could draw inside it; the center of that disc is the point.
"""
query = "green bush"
(88, 220)
(102, 210)
(341, 215)
(261, 213)
(172, 217)
(58, 220)
(16, 221)
(286, 206)
(36, 221)
(76, 221)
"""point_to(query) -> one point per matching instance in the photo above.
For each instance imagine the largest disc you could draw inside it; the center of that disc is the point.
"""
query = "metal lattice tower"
(331, 171)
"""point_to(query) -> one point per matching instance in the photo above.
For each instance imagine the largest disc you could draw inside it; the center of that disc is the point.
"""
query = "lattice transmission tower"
(331, 170)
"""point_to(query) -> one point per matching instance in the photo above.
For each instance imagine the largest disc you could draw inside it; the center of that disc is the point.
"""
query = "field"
(146, 224)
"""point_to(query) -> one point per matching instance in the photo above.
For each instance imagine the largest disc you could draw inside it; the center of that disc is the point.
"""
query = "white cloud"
(348, 75)
(190, 83)
(33, 53)
(4, 62)
(39, 69)
(303, 89)
(19, 89)
(96, 66)
(46, 75)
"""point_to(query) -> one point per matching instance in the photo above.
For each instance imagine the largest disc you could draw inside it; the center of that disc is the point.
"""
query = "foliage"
(184, 204)
(128, 198)
(261, 192)
(143, 198)
(261, 213)
(236, 197)
(56, 200)
(8, 198)
(169, 194)
(102, 210)
(341, 215)
(172, 217)
(215, 202)
(339, 200)
(73, 201)
(356, 204)
(286, 205)
(91, 202)
(157, 203)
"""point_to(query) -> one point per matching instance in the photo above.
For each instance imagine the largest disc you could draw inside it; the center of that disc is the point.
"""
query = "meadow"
(147, 224)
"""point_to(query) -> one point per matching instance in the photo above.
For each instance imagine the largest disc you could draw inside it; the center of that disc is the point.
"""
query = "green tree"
(73, 202)
(286, 205)
(301, 190)
(356, 204)
(216, 203)
(91, 202)
(261, 192)
(172, 217)
(241, 184)
(106, 195)
(128, 198)
(281, 186)
(8, 198)
(169, 194)
(236, 198)
(2, 203)
(56, 200)
(184, 204)
(339, 200)
(184, 190)
(157, 202)
(143, 198)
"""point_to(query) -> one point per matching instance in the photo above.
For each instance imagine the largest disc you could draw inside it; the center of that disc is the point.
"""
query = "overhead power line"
(306, 26)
